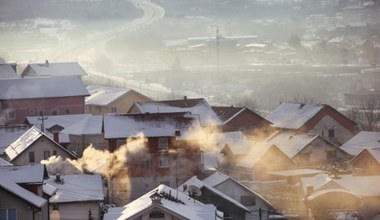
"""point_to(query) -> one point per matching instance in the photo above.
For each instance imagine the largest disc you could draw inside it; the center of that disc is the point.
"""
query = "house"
(105, 100)
(20, 98)
(207, 194)
(32, 147)
(198, 107)
(74, 132)
(347, 193)
(77, 197)
(319, 119)
(8, 71)
(362, 140)
(242, 119)
(165, 158)
(53, 69)
(247, 197)
(367, 162)
(21, 192)
(164, 202)
(249, 160)
(306, 149)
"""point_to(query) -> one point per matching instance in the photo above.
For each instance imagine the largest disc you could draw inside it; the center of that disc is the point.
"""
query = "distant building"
(105, 100)
(53, 69)
(8, 71)
(38, 96)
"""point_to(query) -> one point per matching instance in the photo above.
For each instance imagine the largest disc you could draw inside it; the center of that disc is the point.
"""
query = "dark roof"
(226, 112)
(183, 103)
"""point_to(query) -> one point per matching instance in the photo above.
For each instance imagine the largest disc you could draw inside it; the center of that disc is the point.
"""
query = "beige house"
(32, 147)
(105, 100)
(78, 197)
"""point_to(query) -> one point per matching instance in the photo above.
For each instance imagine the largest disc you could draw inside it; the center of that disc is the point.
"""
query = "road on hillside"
(151, 13)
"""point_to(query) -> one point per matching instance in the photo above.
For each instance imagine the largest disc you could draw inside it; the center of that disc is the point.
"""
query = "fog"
(231, 52)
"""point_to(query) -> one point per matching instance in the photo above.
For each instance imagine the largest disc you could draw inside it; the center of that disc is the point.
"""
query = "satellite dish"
(194, 191)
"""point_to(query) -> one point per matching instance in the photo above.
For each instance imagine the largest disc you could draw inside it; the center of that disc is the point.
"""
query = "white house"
(164, 202)
(78, 197)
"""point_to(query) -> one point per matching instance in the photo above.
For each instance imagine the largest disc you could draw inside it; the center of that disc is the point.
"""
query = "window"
(54, 152)
(46, 154)
(163, 162)
(113, 109)
(145, 163)
(331, 133)
(31, 111)
(156, 214)
(31, 157)
(55, 207)
(54, 111)
(12, 114)
(67, 111)
(248, 200)
(8, 214)
(163, 143)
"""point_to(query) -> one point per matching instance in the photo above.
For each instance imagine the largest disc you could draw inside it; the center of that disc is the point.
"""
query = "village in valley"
(71, 151)
(204, 125)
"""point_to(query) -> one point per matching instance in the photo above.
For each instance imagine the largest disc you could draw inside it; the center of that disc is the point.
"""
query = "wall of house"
(248, 123)
(23, 209)
(79, 143)
(167, 216)
(342, 134)
(236, 192)
(370, 206)
(32, 107)
(318, 154)
(38, 147)
(75, 210)
(365, 164)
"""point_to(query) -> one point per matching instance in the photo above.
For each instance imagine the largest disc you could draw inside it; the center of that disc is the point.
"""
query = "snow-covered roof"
(150, 125)
(22, 193)
(362, 140)
(293, 115)
(218, 178)
(4, 163)
(78, 124)
(10, 134)
(35, 173)
(166, 199)
(103, 96)
(42, 87)
(7, 72)
(54, 69)
(329, 191)
(201, 109)
(76, 188)
(297, 172)
(194, 181)
(364, 186)
(291, 143)
(49, 189)
(24, 141)
(254, 153)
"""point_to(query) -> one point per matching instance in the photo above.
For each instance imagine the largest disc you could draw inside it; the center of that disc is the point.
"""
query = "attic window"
(331, 133)
(156, 214)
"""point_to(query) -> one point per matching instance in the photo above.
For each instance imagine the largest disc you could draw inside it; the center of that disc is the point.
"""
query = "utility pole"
(42, 118)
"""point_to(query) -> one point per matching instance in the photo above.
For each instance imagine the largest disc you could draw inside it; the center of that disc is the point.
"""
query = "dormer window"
(156, 214)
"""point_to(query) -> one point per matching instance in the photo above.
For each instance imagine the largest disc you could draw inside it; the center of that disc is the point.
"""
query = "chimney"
(56, 137)
(58, 178)
(185, 98)
(47, 63)
(177, 133)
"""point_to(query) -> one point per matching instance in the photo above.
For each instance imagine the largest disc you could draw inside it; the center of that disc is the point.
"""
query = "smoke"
(207, 138)
(108, 164)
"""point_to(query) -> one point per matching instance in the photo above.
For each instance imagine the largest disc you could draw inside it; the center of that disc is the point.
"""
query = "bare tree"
(368, 116)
